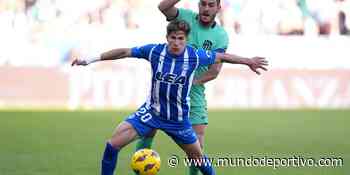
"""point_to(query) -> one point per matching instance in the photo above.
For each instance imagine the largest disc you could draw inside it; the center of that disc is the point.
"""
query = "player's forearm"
(254, 63)
(167, 4)
(211, 74)
(167, 7)
(203, 79)
(109, 55)
(233, 59)
(116, 54)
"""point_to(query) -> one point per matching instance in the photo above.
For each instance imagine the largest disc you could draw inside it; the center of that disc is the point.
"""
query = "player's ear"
(219, 5)
(167, 37)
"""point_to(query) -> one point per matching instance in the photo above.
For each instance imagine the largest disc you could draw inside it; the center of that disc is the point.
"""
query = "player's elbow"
(161, 7)
(213, 74)
(214, 70)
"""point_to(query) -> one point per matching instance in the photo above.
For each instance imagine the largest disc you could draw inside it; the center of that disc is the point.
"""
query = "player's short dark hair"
(178, 25)
(218, 2)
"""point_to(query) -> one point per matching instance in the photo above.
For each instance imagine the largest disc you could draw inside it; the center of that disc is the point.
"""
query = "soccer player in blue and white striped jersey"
(167, 107)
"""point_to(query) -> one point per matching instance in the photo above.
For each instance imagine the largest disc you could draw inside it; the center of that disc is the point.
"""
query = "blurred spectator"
(132, 6)
(250, 17)
(291, 21)
(324, 13)
(343, 16)
(113, 15)
(50, 31)
(230, 14)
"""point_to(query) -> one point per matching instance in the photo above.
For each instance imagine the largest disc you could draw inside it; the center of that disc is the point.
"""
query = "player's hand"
(79, 62)
(258, 63)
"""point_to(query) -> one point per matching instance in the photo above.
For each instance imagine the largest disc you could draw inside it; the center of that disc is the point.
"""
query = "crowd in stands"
(49, 32)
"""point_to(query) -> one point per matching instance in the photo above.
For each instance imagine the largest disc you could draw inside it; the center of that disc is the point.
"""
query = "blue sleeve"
(220, 50)
(142, 52)
(206, 57)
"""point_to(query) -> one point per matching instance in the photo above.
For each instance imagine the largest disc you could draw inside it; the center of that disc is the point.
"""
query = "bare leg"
(123, 135)
(200, 131)
(194, 152)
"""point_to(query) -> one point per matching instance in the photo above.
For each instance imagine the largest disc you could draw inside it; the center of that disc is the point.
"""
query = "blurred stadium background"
(307, 43)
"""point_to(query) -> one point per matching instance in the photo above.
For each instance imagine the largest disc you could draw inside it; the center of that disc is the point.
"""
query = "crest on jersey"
(207, 45)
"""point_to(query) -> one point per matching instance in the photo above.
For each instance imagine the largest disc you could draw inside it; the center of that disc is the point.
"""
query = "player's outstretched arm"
(254, 63)
(167, 7)
(109, 55)
(209, 75)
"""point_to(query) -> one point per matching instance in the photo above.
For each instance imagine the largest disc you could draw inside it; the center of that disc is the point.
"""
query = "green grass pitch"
(71, 143)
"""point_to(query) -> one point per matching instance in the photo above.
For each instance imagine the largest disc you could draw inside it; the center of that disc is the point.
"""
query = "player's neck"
(207, 25)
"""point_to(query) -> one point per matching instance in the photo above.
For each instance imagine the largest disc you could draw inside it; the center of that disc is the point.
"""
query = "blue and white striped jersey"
(172, 77)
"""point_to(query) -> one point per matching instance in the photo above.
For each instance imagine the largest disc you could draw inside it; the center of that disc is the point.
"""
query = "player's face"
(176, 42)
(207, 11)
